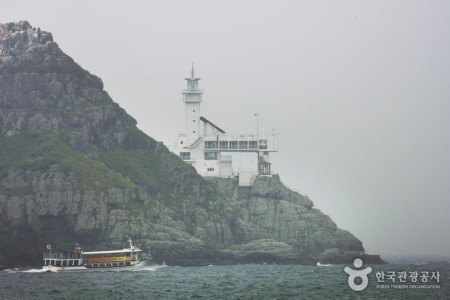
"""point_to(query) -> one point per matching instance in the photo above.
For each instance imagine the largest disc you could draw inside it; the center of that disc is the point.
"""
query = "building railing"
(228, 146)
(240, 143)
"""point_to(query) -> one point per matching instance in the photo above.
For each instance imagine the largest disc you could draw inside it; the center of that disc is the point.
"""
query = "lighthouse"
(210, 149)
(192, 97)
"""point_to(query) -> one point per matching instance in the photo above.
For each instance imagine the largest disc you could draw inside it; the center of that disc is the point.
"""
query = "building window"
(233, 145)
(210, 155)
(253, 145)
(181, 142)
(210, 145)
(185, 155)
(262, 144)
(243, 145)
(210, 169)
(223, 145)
(193, 121)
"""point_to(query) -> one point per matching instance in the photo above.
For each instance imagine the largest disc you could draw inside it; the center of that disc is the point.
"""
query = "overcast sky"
(359, 92)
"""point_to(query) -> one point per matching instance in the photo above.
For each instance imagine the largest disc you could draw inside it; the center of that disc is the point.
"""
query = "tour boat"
(77, 259)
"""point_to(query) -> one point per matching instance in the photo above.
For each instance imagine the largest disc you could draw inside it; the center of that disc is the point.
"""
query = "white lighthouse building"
(208, 148)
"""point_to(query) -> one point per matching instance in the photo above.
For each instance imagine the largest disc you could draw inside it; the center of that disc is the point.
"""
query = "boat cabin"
(64, 259)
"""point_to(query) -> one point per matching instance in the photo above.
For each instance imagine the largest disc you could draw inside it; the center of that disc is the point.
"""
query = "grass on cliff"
(39, 152)
(135, 163)
(146, 163)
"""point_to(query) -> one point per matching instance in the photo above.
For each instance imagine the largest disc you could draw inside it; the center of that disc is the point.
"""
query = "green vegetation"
(143, 164)
(139, 165)
(40, 151)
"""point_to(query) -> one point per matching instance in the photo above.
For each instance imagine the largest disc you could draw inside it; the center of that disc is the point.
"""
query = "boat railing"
(62, 255)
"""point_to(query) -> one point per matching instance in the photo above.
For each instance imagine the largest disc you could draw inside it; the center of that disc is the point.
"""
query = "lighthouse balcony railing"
(186, 91)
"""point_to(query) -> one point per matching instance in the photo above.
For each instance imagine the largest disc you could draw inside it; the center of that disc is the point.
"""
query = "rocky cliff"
(74, 167)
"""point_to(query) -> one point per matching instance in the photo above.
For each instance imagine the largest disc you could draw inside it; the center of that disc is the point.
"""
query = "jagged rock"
(272, 188)
(74, 167)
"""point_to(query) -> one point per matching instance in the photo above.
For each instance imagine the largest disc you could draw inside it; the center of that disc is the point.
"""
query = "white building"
(208, 148)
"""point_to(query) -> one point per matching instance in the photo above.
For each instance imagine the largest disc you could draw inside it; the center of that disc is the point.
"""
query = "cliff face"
(74, 167)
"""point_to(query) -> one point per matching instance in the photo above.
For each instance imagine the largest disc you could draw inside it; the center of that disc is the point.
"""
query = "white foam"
(323, 265)
(35, 271)
(148, 268)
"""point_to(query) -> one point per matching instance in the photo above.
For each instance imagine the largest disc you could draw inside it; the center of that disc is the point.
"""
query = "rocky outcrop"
(74, 167)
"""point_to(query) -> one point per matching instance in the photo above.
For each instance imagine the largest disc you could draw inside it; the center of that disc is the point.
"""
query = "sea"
(401, 279)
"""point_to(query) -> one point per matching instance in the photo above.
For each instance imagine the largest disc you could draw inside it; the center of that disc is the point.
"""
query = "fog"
(357, 90)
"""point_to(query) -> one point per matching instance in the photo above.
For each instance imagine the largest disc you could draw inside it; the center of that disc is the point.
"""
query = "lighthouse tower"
(192, 97)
